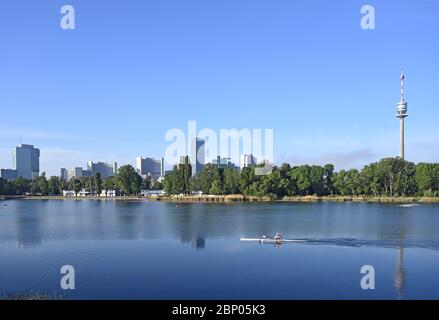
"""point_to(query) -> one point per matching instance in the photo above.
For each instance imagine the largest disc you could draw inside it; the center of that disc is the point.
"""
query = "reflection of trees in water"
(28, 230)
(191, 225)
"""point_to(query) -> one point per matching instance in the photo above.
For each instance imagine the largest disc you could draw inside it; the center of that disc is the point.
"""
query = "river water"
(155, 250)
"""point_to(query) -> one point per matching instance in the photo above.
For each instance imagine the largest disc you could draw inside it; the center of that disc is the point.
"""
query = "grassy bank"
(362, 199)
(241, 198)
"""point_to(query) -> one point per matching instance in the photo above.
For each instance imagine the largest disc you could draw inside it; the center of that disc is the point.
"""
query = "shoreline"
(238, 199)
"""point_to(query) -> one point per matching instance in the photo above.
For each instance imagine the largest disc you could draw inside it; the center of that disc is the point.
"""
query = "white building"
(75, 172)
(68, 193)
(85, 193)
(248, 160)
(150, 167)
(152, 193)
(108, 194)
(106, 170)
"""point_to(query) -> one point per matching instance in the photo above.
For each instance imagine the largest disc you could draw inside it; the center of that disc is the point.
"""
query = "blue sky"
(109, 90)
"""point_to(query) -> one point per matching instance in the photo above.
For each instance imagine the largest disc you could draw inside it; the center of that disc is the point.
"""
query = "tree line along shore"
(388, 180)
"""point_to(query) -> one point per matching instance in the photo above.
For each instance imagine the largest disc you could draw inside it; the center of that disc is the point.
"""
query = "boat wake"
(353, 242)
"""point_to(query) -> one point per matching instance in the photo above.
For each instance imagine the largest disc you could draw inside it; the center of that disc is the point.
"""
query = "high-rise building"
(26, 160)
(197, 155)
(64, 174)
(248, 160)
(106, 170)
(401, 113)
(150, 167)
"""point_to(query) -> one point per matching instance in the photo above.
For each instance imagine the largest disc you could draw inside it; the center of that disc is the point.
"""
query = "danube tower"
(401, 113)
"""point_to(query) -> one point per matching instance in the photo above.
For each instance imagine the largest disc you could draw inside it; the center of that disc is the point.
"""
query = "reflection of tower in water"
(400, 276)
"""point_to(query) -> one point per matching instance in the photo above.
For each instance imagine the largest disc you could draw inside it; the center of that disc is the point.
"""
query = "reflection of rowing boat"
(409, 205)
(268, 240)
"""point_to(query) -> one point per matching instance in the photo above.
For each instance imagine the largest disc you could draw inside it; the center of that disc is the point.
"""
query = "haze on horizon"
(110, 89)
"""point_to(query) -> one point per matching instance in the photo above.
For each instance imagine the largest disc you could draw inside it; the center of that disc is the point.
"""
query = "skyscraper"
(26, 160)
(197, 155)
(401, 113)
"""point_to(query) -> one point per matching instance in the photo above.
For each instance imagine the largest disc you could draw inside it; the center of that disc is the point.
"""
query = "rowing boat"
(267, 240)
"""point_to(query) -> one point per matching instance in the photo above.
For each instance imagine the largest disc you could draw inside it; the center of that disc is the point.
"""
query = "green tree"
(75, 185)
(208, 176)
(54, 186)
(129, 180)
(215, 188)
(301, 176)
(370, 180)
(98, 183)
(147, 183)
(328, 179)
(427, 178)
(230, 181)
(20, 186)
(247, 181)
(3, 188)
(110, 184)
(43, 184)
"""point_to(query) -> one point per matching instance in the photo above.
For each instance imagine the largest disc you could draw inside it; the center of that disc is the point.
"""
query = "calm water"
(142, 250)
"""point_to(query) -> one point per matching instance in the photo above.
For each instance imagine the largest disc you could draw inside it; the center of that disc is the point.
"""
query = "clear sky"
(110, 89)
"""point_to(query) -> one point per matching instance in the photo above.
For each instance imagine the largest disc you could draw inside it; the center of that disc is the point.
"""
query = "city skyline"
(144, 166)
(326, 87)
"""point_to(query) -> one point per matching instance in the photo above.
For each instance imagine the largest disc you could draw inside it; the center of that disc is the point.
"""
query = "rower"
(278, 237)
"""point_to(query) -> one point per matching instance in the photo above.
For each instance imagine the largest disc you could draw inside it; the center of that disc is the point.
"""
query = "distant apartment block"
(248, 160)
(76, 172)
(64, 174)
(198, 155)
(106, 170)
(184, 160)
(87, 173)
(150, 167)
(26, 161)
(8, 174)
(224, 163)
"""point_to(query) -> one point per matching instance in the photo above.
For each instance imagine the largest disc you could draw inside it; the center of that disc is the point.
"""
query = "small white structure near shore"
(68, 193)
(108, 193)
(152, 193)
(85, 193)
